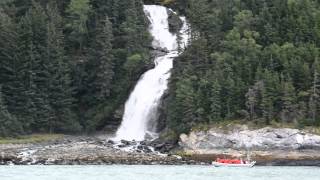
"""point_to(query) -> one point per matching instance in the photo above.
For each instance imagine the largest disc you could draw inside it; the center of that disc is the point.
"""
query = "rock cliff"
(267, 145)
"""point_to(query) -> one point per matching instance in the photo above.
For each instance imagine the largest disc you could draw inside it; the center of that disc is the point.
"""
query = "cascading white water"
(141, 107)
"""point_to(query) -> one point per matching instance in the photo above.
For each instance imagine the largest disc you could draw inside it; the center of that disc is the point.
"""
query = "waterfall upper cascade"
(141, 114)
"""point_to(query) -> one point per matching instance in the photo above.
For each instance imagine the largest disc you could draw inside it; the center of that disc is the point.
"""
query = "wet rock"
(110, 142)
(144, 149)
(175, 23)
(163, 145)
(125, 143)
(143, 143)
(121, 146)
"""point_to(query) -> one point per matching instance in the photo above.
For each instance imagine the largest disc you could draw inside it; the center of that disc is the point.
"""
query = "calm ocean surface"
(156, 173)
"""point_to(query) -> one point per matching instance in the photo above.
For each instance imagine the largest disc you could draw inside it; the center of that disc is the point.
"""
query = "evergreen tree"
(10, 74)
(133, 27)
(8, 44)
(78, 11)
(253, 99)
(9, 125)
(182, 114)
(215, 113)
(314, 102)
(35, 74)
(269, 95)
(181, 46)
(289, 103)
(102, 61)
(59, 81)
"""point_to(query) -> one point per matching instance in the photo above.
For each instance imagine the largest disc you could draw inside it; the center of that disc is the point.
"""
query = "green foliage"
(101, 61)
(78, 11)
(252, 60)
(183, 105)
(59, 82)
(9, 125)
(215, 101)
(67, 66)
(29, 139)
(133, 62)
(32, 56)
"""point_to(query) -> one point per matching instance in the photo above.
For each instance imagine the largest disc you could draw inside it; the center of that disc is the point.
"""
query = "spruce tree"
(130, 28)
(252, 101)
(59, 82)
(183, 110)
(102, 59)
(78, 15)
(269, 95)
(8, 44)
(215, 113)
(34, 68)
(10, 75)
(314, 102)
(9, 125)
(289, 102)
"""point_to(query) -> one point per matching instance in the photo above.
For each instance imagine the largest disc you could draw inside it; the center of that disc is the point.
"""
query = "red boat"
(233, 163)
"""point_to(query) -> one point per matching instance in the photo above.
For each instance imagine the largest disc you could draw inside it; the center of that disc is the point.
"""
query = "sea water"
(122, 172)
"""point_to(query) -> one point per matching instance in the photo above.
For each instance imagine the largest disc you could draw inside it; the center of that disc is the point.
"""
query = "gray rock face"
(267, 146)
(241, 138)
(174, 21)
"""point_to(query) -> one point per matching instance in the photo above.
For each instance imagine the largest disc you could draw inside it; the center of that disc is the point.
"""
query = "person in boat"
(242, 161)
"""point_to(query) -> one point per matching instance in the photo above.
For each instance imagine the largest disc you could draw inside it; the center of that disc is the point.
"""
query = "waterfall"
(140, 113)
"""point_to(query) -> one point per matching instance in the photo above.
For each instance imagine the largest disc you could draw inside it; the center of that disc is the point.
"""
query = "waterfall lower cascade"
(140, 115)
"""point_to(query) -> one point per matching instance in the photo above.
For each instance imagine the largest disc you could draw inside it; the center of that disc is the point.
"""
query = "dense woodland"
(255, 60)
(68, 66)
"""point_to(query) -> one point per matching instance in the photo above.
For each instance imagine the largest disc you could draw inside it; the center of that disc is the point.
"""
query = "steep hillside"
(255, 60)
(67, 66)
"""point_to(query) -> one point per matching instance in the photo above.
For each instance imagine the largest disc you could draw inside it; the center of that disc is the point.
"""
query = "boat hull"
(217, 164)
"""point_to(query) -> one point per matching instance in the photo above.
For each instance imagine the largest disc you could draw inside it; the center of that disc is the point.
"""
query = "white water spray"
(141, 114)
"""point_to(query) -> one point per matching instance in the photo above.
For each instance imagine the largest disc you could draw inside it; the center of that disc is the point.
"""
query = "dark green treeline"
(66, 66)
(250, 59)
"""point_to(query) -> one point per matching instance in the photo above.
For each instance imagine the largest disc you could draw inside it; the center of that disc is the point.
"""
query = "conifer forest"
(69, 66)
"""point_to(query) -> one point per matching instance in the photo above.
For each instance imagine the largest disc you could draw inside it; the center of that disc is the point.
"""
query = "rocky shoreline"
(86, 151)
(267, 146)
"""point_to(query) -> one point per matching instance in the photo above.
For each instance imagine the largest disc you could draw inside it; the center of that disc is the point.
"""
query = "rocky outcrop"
(174, 21)
(267, 145)
(85, 150)
(244, 139)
